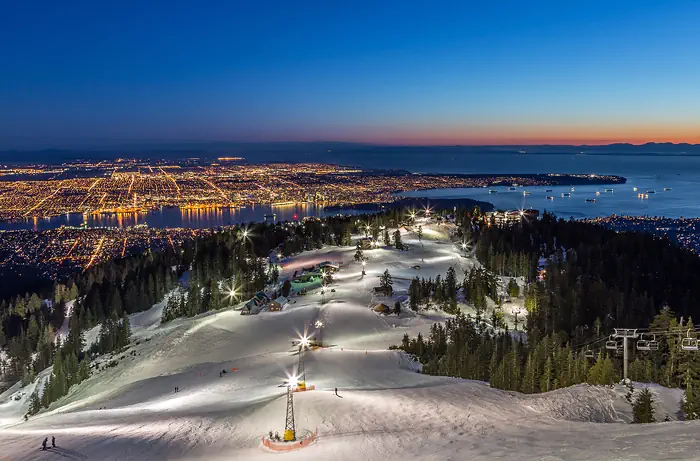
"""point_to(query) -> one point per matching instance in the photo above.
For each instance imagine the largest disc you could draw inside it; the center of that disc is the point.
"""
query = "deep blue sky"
(77, 74)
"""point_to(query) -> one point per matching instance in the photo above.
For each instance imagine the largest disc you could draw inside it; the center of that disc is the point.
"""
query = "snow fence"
(287, 446)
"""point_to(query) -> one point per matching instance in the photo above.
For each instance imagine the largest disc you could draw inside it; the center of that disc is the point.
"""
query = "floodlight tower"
(301, 373)
(290, 434)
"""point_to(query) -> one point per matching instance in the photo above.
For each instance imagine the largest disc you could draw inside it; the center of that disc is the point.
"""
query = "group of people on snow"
(46, 441)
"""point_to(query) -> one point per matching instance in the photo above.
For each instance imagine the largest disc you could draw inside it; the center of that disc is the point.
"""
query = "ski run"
(388, 411)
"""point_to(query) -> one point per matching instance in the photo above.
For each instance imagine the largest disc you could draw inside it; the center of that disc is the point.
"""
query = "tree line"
(581, 282)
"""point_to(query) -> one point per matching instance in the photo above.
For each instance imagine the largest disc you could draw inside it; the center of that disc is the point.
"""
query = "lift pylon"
(290, 434)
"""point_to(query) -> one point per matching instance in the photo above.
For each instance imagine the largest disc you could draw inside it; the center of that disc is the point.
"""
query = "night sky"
(82, 73)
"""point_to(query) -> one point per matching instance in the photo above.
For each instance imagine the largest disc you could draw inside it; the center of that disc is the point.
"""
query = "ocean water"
(681, 174)
(172, 217)
(646, 172)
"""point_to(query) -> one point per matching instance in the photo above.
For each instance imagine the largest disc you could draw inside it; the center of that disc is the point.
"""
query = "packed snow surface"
(384, 411)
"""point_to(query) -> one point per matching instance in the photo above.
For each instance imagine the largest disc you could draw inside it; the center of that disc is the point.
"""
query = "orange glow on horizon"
(525, 135)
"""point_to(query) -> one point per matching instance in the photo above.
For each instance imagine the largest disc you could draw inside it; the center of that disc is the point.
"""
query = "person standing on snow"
(336, 392)
(43, 444)
(53, 442)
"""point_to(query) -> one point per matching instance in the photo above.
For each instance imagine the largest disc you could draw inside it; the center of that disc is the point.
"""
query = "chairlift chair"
(611, 344)
(653, 345)
(589, 354)
(643, 345)
(689, 344)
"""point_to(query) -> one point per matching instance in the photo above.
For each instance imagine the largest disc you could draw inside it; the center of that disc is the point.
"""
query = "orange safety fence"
(287, 446)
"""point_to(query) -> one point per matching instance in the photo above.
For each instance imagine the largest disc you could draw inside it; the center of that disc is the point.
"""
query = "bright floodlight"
(304, 341)
(319, 324)
(231, 292)
(464, 246)
(292, 381)
(364, 263)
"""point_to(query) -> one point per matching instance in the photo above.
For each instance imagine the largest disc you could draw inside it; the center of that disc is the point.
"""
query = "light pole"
(289, 427)
(364, 263)
(319, 328)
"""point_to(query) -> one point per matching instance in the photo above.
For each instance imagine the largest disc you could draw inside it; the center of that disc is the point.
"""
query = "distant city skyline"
(78, 75)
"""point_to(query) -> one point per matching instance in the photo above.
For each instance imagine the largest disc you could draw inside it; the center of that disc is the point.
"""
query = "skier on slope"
(43, 444)
(53, 442)
(336, 392)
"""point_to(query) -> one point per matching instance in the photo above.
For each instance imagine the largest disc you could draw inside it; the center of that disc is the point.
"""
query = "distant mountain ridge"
(316, 151)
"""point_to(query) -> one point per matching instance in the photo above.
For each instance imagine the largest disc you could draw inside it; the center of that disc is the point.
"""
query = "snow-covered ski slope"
(385, 411)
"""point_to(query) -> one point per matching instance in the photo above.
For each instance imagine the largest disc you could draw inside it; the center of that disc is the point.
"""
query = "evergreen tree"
(59, 379)
(387, 240)
(397, 240)
(286, 288)
(513, 288)
(546, 378)
(34, 402)
(83, 370)
(528, 384)
(385, 280)
(414, 294)
(359, 256)
(690, 405)
(643, 407)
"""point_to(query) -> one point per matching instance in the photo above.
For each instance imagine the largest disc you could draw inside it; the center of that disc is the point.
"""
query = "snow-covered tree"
(385, 280)
(359, 255)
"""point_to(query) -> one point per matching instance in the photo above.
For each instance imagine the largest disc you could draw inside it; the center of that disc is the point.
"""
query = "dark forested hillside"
(582, 281)
(592, 273)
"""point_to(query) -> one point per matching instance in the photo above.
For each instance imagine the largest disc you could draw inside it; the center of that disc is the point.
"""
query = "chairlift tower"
(625, 334)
